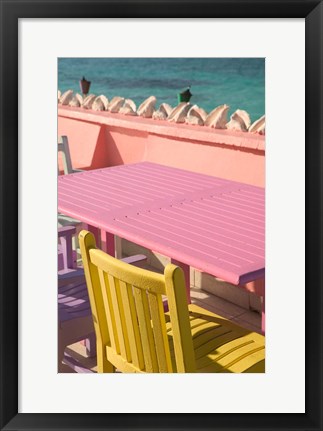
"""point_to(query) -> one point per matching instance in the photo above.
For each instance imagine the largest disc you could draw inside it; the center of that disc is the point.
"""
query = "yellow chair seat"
(221, 346)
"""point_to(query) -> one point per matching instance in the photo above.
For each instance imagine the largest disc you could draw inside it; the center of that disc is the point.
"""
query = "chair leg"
(104, 366)
(90, 345)
(62, 368)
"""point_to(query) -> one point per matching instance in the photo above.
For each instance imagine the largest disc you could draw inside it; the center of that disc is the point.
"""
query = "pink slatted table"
(94, 196)
(212, 224)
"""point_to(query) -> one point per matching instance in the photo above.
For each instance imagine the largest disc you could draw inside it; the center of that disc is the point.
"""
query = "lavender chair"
(74, 312)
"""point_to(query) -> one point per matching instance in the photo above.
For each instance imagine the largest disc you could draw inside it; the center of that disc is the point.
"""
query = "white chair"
(62, 219)
(64, 149)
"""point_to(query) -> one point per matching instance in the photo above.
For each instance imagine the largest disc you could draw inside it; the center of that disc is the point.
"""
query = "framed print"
(44, 37)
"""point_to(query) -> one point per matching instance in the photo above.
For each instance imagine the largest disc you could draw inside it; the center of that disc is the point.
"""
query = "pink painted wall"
(125, 145)
(87, 143)
(99, 139)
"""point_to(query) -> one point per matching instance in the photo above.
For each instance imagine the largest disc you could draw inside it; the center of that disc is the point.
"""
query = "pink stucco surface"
(101, 139)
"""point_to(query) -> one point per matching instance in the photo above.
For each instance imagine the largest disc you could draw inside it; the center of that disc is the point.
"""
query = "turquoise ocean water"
(238, 82)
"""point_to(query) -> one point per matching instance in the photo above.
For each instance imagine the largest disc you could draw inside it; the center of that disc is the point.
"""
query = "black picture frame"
(10, 12)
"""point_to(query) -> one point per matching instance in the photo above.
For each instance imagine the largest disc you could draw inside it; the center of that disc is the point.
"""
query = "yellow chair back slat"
(132, 325)
(146, 332)
(120, 323)
(160, 334)
(128, 309)
(106, 296)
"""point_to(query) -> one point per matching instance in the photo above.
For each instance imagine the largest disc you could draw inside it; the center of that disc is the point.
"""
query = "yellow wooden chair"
(135, 335)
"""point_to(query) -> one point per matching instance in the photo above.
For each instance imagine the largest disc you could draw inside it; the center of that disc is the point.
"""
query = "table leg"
(186, 270)
(118, 247)
(96, 233)
(107, 242)
(263, 315)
